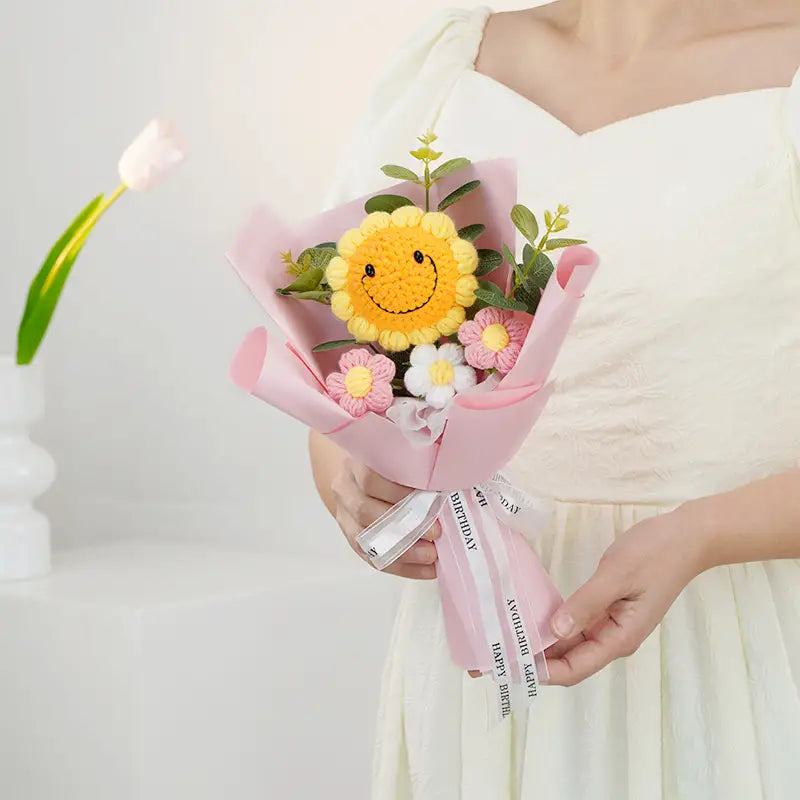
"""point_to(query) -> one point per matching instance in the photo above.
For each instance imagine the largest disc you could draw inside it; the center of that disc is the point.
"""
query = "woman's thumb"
(585, 606)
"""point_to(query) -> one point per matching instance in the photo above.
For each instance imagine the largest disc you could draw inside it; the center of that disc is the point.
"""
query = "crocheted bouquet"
(427, 357)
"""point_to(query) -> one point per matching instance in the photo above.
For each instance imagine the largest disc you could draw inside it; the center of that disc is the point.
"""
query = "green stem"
(82, 233)
(542, 242)
(427, 186)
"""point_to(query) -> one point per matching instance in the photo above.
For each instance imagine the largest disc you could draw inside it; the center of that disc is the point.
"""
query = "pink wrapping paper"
(484, 428)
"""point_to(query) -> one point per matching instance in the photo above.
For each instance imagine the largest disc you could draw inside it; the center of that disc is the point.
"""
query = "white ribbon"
(405, 523)
(497, 500)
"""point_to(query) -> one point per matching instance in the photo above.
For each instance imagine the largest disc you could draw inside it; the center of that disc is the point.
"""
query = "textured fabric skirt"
(707, 709)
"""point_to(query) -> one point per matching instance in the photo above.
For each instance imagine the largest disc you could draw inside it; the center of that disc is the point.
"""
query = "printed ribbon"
(478, 515)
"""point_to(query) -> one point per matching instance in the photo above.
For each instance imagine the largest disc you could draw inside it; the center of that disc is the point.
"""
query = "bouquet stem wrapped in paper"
(496, 597)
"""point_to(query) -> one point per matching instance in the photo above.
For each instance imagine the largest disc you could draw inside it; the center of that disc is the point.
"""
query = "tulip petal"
(152, 155)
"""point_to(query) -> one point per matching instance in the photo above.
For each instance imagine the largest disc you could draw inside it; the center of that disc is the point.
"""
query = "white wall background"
(149, 437)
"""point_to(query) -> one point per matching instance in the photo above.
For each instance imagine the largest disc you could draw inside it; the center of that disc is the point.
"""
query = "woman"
(672, 443)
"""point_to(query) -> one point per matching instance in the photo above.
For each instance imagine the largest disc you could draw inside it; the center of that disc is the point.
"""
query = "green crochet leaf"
(333, 345)
(525, 221)
(490, 294)
(449, 167)
(557, 244)
(457, 194)
(386, 202)
(401, 173)
(488, 261)
(472, 232)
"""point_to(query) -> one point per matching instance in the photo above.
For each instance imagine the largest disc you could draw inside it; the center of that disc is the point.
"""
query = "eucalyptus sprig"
(308, 270)
(426, 155)
(532, 275)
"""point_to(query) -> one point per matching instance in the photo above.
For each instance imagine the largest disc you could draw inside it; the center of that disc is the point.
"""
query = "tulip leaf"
(386, 202)
(449, 167)
(401, 173)
(557, 244)
(457, 194)
(525, 222)
(488, 261)
(41, 276)
(48, 284)
(472, 232)
(335, 344)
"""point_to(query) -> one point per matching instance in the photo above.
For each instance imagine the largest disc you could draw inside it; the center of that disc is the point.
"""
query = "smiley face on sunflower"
(403, 279)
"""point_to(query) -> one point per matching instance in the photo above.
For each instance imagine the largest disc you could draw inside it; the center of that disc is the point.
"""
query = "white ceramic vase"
(26, 471)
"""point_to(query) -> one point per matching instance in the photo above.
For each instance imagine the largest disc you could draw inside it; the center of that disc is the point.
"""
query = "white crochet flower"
(438, 373)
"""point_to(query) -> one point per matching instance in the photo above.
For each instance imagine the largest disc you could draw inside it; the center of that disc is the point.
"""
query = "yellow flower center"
(358, 382)
(495, 337)
(441, 372)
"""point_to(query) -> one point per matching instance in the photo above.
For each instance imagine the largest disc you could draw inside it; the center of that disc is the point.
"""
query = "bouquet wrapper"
(497, 598)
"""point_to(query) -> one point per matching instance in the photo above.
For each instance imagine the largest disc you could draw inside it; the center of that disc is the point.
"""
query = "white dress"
(680, 378)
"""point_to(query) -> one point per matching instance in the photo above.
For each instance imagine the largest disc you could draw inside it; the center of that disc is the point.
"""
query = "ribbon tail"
(400, 528)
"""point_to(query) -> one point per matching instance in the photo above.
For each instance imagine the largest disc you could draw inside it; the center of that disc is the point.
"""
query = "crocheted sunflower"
(403, 279)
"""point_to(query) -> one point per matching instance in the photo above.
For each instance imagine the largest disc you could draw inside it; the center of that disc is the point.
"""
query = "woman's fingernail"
(562, 624)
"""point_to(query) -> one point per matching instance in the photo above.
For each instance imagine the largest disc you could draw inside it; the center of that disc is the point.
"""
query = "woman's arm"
(327, 461)
(758, 522)
(356, 496)
(643, 572)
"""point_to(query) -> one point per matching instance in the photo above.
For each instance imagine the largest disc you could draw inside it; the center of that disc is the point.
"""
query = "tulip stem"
(83, 232)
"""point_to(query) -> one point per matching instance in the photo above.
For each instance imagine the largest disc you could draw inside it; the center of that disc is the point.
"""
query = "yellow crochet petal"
(336, 273)
(394, 341)
(423, 336)
(465, 290)
(376, 221)
(341, 305)
(449, 324)
(349, 243)
(407, 216)
(362, 330)
(465, 254)
(438, 224)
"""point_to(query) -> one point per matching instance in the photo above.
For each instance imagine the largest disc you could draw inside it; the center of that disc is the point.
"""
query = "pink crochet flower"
(364, 383)
(493, 340)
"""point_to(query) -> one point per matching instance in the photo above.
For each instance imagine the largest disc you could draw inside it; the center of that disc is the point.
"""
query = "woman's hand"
(636, 582)
(360, 497)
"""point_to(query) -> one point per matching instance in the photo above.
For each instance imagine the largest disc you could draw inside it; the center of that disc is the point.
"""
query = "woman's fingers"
(374, 485)
(617, 635)
(418, 562)
(420, 553)
(588, 604)
(413, 571)
(434, 533)
(563, 646)
(362, 497)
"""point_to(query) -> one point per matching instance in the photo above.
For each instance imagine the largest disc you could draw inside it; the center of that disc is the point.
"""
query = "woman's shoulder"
(524, 31)
(447, 37)
(409, 94)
